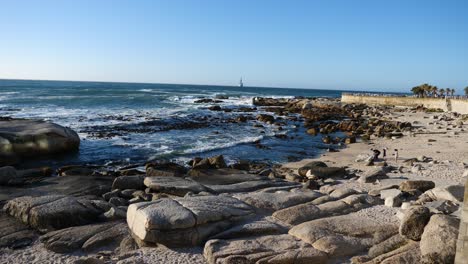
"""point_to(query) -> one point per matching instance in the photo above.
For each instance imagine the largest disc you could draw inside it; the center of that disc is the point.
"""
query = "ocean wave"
(201, 147)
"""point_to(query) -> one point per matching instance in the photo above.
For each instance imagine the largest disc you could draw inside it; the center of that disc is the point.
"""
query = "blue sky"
(330, 44)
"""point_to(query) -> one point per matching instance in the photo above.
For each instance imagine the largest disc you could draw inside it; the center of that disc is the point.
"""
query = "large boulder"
(34, 138)
(414, 221)
(263, 249)
(344, 235)
(46, 213)
(439, 240)
(185, 221)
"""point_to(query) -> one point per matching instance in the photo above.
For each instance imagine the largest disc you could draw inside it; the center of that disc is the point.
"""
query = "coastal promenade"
(456, 104)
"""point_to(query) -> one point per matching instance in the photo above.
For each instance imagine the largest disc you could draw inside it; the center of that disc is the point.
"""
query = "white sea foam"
(201, 147)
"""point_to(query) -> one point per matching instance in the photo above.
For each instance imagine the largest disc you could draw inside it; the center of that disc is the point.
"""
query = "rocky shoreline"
(342, 207)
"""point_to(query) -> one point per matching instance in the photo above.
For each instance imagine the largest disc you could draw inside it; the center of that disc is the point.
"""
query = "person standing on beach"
(376, 154)
(384, 153)
(396, 155)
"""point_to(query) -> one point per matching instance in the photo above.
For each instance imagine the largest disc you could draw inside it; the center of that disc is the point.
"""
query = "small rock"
(117, 201)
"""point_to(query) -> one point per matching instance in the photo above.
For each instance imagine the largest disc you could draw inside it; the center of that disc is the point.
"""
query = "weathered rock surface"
(263, 249)
(185, 221)
(165, 168)
(47, 213)
(251, 186)
(88, 237)
(452, 193)
(422, 186)
(223, 176)
(34, 138)
(373, 174)
(277, 200)
(174, 185)
(407, 253)
(344, 235)
(310, 211)
(14, 234)
(414, 221)
(129, 182)
(438, 242)
(249, 229)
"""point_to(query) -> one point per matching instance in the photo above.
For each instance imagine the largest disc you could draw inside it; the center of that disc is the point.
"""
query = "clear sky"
(330, 44)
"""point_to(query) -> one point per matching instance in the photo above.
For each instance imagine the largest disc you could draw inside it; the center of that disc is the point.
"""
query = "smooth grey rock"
(185, 221)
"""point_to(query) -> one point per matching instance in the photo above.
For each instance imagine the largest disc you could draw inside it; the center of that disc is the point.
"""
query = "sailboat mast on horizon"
(241, 84)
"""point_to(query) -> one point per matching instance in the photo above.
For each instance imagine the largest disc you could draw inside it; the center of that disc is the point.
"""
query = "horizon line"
(218, 85)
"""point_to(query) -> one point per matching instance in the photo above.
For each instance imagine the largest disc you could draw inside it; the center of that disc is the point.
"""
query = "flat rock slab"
(87, 238)
(14, 234)
(174, 185)
(27, 138)
(277, 200)
(263, 249)
(345, 235)
(47, 213)
(185, 221)
(223, 176)
(255, 228)
(77, 186)
(251, 186)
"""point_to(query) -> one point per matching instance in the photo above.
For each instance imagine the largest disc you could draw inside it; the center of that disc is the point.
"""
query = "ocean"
(134, 122)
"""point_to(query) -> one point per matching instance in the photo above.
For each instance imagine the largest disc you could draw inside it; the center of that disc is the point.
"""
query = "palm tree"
(447, 91)
(452, 92)
(442, 92)
(418, 90)
(434, 90)
(466, 90)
